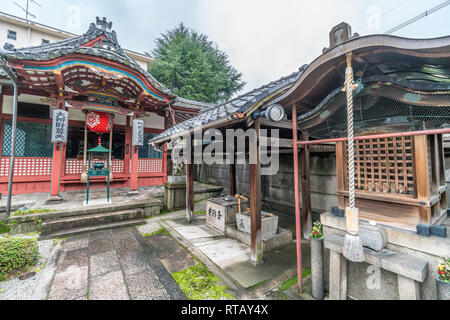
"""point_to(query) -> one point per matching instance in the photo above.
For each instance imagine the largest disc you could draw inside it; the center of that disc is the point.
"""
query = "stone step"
(50, 226)
(89, 229)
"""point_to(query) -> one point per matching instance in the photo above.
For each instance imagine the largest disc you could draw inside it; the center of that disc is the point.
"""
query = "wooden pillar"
(57, 163)
(306, 188)
(422, 171)
(128, 142)
(255, 203)
(189, 167)
(134, 164)
(297, 199)
(233, 190)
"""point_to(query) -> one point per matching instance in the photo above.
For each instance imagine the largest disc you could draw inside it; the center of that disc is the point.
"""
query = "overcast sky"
(265, 39)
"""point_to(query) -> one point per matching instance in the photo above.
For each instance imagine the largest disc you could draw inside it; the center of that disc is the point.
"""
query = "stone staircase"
(80, 224)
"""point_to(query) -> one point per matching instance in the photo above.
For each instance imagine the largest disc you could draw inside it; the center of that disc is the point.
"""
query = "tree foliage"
(193, 67)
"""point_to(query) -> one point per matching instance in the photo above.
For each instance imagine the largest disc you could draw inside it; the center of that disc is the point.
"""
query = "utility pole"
(27, 11)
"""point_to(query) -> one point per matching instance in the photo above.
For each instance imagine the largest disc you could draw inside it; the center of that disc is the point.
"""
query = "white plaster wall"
(154, 121)
(26, 37)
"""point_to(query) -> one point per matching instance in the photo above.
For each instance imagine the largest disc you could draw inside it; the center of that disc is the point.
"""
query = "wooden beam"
(306, 188)
(255, 203)
(281, 124)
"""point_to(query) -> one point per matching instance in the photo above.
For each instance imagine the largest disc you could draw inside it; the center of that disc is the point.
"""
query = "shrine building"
(102, 89)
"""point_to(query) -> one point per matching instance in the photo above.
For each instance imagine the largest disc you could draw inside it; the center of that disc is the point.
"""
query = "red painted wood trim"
(20, 66)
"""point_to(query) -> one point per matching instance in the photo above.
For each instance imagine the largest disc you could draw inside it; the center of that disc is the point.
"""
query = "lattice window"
(150, 166)
(26, 167)
(75, 167)
(147, 151)
(385, 165)
(32, 140)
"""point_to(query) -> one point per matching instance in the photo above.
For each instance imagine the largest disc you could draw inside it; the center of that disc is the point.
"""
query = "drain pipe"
(14, 82)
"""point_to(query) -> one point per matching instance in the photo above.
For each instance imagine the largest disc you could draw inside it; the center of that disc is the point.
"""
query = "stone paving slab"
(221, 251)
(112, 265)
(100, 242)
(71, 284)
(145, 286)
(104, 263)
(76, 243)
(109, 286)
(75, 258)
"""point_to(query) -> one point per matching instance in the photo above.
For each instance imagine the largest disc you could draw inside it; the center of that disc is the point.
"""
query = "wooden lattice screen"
(385, 165)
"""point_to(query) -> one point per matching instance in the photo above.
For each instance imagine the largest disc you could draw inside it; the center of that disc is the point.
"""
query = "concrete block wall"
(278, 190)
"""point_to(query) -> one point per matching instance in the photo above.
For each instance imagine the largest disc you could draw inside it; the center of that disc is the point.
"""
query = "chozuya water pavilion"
(90, 78)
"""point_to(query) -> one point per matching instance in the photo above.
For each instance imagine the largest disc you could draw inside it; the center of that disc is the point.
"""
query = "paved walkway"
(111, 265)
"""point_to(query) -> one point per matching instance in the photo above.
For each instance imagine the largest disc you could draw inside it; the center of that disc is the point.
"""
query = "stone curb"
(43, 287)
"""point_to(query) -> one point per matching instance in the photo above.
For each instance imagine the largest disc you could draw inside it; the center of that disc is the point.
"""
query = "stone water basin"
(269, 224)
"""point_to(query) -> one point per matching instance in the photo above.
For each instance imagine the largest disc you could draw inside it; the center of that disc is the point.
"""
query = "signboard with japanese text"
(60, 126)
(138, 132)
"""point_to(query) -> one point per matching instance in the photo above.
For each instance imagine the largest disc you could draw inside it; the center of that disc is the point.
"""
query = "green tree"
(193, 67)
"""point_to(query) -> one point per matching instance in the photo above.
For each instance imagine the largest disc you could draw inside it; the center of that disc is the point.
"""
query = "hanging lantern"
(99, 122)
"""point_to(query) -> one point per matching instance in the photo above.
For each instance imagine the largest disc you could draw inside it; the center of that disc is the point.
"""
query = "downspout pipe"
(15, 84)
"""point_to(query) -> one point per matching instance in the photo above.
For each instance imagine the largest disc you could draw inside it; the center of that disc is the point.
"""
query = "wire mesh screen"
(32, 139)
(385, 165)
(147, 151)
(393, 113)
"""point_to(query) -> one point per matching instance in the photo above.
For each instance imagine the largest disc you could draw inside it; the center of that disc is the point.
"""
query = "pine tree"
(194, 67)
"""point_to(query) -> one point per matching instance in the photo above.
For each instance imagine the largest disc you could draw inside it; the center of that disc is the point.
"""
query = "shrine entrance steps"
(61, 224)
(72, 226)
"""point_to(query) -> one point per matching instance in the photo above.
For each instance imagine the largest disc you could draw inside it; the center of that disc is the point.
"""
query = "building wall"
(31, 34)
(278, 190)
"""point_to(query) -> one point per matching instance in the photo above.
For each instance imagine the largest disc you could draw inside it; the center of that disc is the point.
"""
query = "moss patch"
(30, 212)
(286, 285)
(4, 228)
(160, 231)
(199, 213)
(198, 283)
(17, 255)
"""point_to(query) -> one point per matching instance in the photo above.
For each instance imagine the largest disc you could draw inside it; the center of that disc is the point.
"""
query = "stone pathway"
(111, 265)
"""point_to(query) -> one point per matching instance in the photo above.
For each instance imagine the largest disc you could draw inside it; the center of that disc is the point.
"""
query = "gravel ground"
(16, 289)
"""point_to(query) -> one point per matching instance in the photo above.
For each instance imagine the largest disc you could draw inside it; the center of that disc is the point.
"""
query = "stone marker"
(373, 237)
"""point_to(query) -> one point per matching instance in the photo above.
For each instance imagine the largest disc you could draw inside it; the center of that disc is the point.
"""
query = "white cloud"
(268, 39)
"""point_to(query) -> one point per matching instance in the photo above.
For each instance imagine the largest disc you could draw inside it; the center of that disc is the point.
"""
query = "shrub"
(16, 255)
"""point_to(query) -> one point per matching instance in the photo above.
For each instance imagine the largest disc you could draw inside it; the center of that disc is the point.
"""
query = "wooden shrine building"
(85, 74)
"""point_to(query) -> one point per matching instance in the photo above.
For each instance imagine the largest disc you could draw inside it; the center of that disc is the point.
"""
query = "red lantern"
(99, 122)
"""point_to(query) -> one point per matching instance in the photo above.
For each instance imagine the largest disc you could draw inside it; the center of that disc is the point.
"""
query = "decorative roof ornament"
(104, 25)
(340, 34)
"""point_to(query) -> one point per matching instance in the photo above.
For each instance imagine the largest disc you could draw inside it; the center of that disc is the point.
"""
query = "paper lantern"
(99, 122)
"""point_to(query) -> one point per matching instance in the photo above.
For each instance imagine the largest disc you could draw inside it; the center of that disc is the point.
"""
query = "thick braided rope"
(351, 145)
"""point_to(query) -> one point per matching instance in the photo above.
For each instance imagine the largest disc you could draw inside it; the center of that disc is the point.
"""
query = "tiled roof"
(186, 103)
(109, 49)
(240, 104)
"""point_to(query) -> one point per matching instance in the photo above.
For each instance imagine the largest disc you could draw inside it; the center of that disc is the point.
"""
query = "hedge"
(17, 254)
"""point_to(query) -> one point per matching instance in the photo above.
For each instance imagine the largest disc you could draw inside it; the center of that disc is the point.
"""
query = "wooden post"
(306, 189)
(297, 199)
(422, 176)
(255, 202)
(233, 190)
(58, 149)
(128, 142)
(190, 186)
(134, 164)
